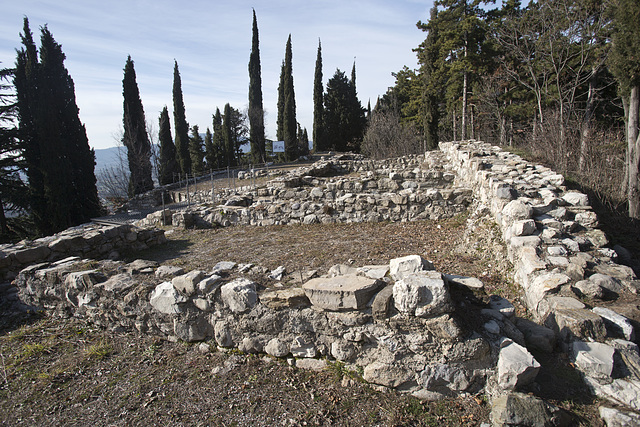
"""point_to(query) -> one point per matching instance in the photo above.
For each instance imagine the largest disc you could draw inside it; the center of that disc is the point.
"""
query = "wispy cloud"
(211, 42)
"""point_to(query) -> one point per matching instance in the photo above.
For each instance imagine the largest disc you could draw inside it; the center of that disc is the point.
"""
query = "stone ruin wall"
(86, 241)
(409, 188)
(403, 325)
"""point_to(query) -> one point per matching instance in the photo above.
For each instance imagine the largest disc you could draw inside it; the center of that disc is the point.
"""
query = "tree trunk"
(633, 152)
(463, 119)
(586, 122)
(453, 118)
(3, 220)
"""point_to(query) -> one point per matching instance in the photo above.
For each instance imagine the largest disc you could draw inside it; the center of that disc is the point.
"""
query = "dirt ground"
(65, 372)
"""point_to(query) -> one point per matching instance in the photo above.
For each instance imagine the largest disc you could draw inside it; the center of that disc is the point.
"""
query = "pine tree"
(289, 123)
(319, 143)
(196, 151)
(135, 136)
(256, 111)
(168, 164)
(180, 124)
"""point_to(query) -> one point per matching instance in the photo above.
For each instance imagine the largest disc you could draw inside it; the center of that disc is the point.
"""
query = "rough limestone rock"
(576, 199)
(167, 271)
(525, 227)
(516, 366)
(516, 210)
(119, 283)
(285, 298)
(277, 348)
(618, 324)
(400, 267)
(471, 283)
(496, 302)
(187, 282)
(339, 293)
(571, 324)
(382, 303)
(617, 418)
(422, 294)
(517, 409)
(166, 299)
(317, 365)
(239, 295)
(621, 391)
(537, 337)
(593, 358)
(386, 374)
(587, 288)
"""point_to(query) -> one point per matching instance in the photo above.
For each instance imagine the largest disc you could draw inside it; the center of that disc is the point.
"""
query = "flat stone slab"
(285, 298)
(350, 292)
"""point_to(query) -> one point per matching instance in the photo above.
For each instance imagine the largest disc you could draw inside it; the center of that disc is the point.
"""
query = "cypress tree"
(209, 150)
(168, 163)
(65, 192)
(135, 136)
(318, 105)
(227, 137)
(256, 112)
(196, 151)
(218, 141)
(180, 124)
(428, 54)
(289, 123)
(344, 115)
(26, 83)
(280, 119)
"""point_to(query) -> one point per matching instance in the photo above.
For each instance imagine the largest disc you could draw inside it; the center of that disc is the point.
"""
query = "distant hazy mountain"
(108, 157)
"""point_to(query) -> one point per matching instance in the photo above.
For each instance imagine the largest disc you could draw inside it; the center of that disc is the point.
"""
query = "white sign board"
(278, 146)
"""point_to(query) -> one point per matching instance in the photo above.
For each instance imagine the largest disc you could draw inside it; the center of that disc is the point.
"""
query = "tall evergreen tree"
(196, 151)
(218, 146)
(344, 115)
(168, 164)
(26, 83)
(180, 124)
(135, 136)
(256, 111)
(209, 150)
(280, 118)
(319, 143)
(65, 188)
(227, 137)
(289, 123)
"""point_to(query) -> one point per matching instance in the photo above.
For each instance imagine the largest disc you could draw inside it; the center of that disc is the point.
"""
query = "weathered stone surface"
(621, 391)
(222, 334)
(342, 350)
(239, 295)
(571, 324)
(422, 294)
(374, 271)
(382, 303)
(166, 299)
(349, 292)
(285, 298)
(542, 285)
(166, 271)
(469, 282)
(525, 227)
(576, 199)
(278, 273)
(386, 374)
(444, 378)
(516, 366)
(606, 282)
(516, 210)
(341, 270)
(401, 267)
(209, 284)
(593, 358)
(617, 271)
(618, 324)
(617, 418)
(277, 348)
(223, 267)
(190, 330)
(119, 283)
(29, 255)
(587, 288)
(517, 409)
(301, 348)
(537, 337)
(187, 282)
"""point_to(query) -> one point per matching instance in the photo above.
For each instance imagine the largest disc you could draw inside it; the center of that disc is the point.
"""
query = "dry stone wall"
(88, 241)
(561, 261)
(335, 190)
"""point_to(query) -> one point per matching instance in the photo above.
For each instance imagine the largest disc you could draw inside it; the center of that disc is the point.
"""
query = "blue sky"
(211, 40)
